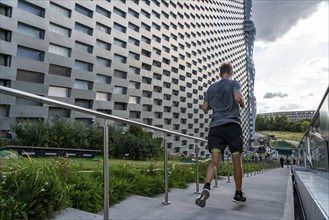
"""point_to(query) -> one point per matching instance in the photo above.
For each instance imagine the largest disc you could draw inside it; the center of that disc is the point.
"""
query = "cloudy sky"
(290, 54)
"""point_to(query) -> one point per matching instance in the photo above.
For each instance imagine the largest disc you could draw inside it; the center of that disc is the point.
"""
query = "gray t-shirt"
(220, 96)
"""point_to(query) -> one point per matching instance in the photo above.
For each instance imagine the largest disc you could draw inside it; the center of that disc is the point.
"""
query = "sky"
(290, 54)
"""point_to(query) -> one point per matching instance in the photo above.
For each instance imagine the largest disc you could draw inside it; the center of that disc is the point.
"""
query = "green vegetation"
(36, 188)
(131, 142)
(280, 123)
(296, 136)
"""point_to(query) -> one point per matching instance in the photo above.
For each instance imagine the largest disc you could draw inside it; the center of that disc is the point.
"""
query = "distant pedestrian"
(281, 162)
(288, 161)
(294, 161)
(9, 135)
(224, 98)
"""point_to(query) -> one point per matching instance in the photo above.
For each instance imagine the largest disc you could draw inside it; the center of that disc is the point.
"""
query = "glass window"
(83, 28)
(103, 11)
(29, 76)
(5, 10)
(81, 65)
(31, 8)
(102, 44)
(60, 30)
(82, 10)
(134, 85)
(59, 50)
(120, 74)
(103, 96)
(120, 58)
(59, 70)
(5, 60)
(5, 35)
(134, 70)
(103, 79)
(133, 27)
(58, 91)
(103, 28)
(120, 106)
(156, 38)
(120, 90)
(84, 103)
(103, 61)
(134, 99)
(119, 12)
(30, 30)
(83, 47)
(154, 25)
(119, 27)
(30, 53)
(133, 13)
(145, 13)
(119, 43)
(134, 41)
(83, 84)
(134, 114)
(59, 9)
(146, 40)
(145, 26)
(156, 14)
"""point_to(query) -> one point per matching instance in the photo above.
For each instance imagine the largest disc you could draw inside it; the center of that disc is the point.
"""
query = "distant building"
(291, 115)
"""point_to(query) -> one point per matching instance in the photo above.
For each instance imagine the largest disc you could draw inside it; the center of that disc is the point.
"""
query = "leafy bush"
(32, 191)
(134, 144)
(58, 132)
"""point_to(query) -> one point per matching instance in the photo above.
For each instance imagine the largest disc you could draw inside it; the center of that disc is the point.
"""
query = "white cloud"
(293, 70)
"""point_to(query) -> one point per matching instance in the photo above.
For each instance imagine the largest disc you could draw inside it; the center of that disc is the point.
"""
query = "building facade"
(147, 60)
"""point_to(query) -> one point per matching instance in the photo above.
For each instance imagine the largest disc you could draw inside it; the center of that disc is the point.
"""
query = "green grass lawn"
(81, 163)
(295, 136)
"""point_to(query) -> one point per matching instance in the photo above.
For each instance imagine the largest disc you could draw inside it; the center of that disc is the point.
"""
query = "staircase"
(269, 196)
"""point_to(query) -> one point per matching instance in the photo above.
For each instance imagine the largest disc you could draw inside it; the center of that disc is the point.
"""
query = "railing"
(311, 173)
(313, 150)
(18, 93)
(106, 117)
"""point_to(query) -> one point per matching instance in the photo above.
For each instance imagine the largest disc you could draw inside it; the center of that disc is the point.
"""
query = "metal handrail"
(19, 93)
(15, 92)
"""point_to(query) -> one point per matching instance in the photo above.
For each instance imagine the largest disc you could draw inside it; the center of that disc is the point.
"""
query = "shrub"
(58, 132)
(134, 144)
(33, 190)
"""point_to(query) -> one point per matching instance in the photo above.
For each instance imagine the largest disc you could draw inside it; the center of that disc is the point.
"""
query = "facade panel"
(150, 61)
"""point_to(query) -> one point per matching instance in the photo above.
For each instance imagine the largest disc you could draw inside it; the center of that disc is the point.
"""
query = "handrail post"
(166, 182)
(228, 169)
(242, 161)
(196, 149)
(247, 165)
(255, 166)
(106, 171)
(216, 178)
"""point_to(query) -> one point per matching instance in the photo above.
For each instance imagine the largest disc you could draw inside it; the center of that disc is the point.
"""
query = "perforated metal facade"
(147, 60)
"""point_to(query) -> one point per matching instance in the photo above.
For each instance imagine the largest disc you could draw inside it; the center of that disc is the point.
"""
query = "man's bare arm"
(205, 107)
(239, 99)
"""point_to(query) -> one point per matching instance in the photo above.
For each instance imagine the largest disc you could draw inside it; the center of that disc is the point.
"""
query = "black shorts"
(226, 135)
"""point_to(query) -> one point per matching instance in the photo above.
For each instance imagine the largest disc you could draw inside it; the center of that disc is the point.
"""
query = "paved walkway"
(269, 196)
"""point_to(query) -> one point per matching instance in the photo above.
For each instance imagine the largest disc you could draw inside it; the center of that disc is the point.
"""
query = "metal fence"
(313, 149)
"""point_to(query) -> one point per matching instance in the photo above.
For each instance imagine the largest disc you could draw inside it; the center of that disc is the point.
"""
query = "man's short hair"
(226, 68)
